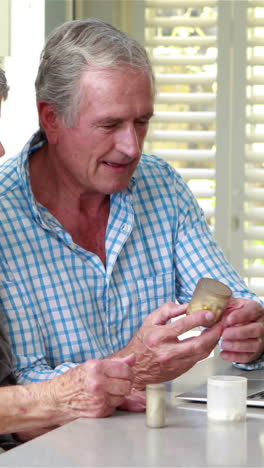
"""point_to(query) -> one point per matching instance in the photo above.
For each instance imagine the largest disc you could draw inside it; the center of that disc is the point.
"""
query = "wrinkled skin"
(93, 389)
(157, 353)
(160, 353)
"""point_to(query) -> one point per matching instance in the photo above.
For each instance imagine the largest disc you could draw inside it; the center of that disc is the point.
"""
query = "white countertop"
(187, 440)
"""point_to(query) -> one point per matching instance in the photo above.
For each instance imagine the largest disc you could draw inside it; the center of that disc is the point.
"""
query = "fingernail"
(209, 315)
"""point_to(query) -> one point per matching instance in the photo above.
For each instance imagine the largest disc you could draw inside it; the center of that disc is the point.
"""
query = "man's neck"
(83, 214)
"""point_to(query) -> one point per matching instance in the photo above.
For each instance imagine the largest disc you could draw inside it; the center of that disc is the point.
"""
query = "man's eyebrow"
(116, 120)
(146, 116)
(108, 119)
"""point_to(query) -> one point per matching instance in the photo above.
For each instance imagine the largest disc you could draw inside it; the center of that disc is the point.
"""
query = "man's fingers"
(237, 357)
(245, 346)
(120, 368)
(243, 311)
(114, 401)
(135, 401)
(117, 386)
(201, 318)
(194, 348)
(243, 332)
(166, 312)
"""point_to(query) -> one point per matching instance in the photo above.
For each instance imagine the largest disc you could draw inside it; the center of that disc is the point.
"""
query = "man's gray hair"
(4, 88)
(71, 49)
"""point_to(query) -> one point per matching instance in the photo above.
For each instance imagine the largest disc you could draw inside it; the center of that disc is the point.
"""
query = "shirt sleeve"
(258, 364)
(198, 255)
(29, 358)
(196, 252)
(41, 371)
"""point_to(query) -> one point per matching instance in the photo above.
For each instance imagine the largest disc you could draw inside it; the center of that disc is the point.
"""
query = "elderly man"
(99, 241)
(93, 389)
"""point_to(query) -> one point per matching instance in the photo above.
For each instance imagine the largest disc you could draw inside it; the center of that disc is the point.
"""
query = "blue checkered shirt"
(60, 304)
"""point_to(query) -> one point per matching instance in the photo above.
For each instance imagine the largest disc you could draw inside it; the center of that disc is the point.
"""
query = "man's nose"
(2, 150)
(129, 142)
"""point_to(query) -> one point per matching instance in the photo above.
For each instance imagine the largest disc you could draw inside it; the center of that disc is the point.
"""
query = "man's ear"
(50, 121)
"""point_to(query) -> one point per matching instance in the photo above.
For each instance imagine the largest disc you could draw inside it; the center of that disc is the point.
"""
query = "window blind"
(181, 39)
(208, 59)
(254, 149)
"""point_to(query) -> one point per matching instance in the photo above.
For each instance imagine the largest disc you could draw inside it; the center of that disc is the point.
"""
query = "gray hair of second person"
(71, 49)
(4, 88)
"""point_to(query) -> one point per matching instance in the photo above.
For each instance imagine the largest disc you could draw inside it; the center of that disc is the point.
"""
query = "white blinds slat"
(254, 233)
(254, 214)
(198, 78)
(200, 117)
(187, 136)
(179, 3)
(255, 175)
(255, 251)
(180, 21)
(186, 98)
(256, 271)
(254, 156)
(255, 194)
(208, 41)
(182, 60)
(186, 155)
(188, 174)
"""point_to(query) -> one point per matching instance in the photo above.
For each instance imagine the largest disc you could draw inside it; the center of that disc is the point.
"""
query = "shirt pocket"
(154, 291)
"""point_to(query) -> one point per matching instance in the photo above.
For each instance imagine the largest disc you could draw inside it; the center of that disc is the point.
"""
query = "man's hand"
(93, 389)
(135, 401)
(243, 331)
(160, 354)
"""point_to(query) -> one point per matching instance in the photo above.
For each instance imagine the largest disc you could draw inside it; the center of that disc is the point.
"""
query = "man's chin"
(116, 189)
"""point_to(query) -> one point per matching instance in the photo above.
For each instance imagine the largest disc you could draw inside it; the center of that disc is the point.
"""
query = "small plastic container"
(226, 398)
(210, 294)
(156, 405)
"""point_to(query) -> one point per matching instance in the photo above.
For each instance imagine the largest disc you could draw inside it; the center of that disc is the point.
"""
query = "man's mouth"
(112, 164)
(117, 167)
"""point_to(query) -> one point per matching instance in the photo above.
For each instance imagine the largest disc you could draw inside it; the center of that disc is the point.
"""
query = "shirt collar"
(36, 141)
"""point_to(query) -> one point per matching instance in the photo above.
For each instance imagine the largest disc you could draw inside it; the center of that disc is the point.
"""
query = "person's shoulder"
(153, 161)
(8, 174)
(154, 166)
(13, 169)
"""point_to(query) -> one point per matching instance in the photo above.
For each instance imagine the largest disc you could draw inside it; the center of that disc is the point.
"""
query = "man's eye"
(112, 125)
(142, 122)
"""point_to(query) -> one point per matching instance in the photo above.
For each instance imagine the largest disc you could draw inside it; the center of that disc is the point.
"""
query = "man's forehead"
(117, 113)
(108, 76)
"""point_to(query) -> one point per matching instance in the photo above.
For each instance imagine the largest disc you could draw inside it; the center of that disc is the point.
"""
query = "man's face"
(2, 149)
(101, 152)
